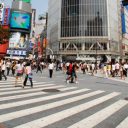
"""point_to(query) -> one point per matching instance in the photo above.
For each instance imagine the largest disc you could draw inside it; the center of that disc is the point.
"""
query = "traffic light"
(125, 2)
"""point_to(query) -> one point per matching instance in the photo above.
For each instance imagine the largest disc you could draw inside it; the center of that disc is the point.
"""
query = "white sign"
(1, 11)
(16, 52)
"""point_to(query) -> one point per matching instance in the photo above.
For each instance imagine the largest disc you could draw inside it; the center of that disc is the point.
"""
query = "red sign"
(3, 48)
(6, 16)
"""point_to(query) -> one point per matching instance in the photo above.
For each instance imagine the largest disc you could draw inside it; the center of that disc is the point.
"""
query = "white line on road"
(41, 108)
(32, 94)
(100, 116)
(27, 90)
(123, 124)
(45, 121)
(25, 102)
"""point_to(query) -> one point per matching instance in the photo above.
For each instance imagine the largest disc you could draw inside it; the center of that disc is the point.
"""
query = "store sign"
(18, 40)
(1, 11)
(16, 52)
(6, 16)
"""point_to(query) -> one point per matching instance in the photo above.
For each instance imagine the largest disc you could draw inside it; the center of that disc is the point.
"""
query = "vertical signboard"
(6, 16)
(33, 22)
(1, 11)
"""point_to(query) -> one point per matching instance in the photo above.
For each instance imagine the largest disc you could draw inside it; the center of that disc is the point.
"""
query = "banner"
(6, 16)
(18, 40)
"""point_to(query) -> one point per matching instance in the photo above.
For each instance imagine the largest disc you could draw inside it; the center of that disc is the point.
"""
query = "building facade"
(124, 16)
(85, 29)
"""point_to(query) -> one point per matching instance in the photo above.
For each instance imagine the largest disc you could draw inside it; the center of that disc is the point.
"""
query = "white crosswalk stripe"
(123, 124)
(93, 120)
(45, 121)
(88, 99)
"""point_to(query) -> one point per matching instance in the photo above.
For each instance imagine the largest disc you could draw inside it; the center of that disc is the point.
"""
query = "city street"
(94, 102)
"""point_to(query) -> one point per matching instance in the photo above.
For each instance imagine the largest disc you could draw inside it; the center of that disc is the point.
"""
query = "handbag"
(30, 75)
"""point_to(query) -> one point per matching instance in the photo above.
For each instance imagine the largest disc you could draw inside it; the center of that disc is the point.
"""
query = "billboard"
(6, 16)
(26, 1)
(124, 17)
(16, 52)
(18, 40)
(20, 20)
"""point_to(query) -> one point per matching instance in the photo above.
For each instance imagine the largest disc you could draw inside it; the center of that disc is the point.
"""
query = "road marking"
(9, 83)
(28, 90)
(15, 88)
(25, 102)
(123, 124)
(45, 121)
(100, 116)
(41, 108)
(32, 94)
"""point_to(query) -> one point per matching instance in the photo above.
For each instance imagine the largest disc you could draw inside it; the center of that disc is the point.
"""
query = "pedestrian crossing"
(36, 108)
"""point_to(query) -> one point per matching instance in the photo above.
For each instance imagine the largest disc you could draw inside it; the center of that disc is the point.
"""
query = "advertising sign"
(18, 40)
(6, 16)
(1, 11)
(20, 20)
(124, 17)
(26, 1)
(16, 52)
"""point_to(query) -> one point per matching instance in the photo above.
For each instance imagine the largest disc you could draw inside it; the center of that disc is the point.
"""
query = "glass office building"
(86, 27)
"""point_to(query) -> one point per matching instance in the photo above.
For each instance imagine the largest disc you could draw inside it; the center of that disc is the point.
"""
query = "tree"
(4, 34)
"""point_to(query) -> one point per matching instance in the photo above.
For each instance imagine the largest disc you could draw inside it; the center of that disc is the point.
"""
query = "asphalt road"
(52, 103)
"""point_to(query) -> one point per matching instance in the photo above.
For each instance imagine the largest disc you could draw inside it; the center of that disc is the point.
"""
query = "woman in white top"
(28, 74)
(19, 72)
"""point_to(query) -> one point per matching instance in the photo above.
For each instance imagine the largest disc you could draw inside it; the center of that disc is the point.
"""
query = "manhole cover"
(51, 90)
(126, 98)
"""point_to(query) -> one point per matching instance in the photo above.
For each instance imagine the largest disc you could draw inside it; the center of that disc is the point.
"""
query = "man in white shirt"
(8, 66)
(51, 67)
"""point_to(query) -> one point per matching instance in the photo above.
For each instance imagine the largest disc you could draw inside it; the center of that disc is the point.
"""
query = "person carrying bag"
(28, 74)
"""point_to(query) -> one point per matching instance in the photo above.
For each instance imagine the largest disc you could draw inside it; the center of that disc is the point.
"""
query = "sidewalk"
(101, 75)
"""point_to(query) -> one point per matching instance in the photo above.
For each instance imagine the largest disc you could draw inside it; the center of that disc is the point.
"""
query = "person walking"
(39, 67)
(19, 74)
(8, 66)
(3, 68)
(0, 69)
(51, 67)
(28, 74)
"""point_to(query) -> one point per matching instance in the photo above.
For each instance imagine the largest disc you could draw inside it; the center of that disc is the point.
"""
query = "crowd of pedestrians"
(22, 69)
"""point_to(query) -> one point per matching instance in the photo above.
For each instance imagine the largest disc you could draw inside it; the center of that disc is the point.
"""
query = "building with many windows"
(85, 29)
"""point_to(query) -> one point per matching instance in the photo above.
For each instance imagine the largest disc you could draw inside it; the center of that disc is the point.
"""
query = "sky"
(40, 5)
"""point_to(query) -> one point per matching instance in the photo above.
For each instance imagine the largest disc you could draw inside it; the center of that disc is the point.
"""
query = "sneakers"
(76, 82)
(67, 81)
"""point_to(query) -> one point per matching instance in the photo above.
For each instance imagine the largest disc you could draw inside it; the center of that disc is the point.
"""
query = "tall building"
(20, 28)
(84, 29)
